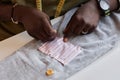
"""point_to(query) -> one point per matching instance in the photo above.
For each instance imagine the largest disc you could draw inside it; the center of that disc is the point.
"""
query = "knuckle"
(77, 17)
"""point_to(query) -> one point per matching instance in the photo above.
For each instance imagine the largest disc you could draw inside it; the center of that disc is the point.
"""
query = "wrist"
(106, 6)
(96, 6)
(113, 4)
(5, 12)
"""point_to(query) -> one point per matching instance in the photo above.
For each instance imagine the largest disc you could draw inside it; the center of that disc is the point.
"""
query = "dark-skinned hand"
(36, 22)
(84, 20)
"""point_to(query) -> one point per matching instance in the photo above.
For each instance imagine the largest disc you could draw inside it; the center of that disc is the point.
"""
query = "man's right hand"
(36, 22)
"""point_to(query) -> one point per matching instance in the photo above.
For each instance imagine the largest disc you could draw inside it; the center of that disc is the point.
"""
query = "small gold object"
(49, 72)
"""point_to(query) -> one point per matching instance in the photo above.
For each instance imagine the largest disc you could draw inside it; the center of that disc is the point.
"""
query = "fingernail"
(55, 31)
(65, 39)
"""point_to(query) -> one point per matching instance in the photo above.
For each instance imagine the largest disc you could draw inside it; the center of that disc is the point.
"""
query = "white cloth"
(30, 64)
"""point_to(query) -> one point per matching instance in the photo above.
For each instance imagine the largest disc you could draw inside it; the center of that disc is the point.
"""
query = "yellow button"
(49, 72)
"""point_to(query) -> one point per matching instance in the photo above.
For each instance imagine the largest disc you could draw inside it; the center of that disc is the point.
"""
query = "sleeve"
(118, 5)
(12, 1)
(6, 1)
(30, 3)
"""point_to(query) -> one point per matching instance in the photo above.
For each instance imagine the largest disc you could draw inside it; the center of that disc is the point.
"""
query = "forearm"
(5, 12)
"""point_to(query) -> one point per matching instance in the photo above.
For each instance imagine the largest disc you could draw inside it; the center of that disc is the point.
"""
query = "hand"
(36, 22)
(84, 20)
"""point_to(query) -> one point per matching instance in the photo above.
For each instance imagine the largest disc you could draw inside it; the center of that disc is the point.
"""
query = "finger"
(44, 36)
(68, 32)
(65, 39)
(51, 36)
(32, 35)
(48, 28)
(41, 37)
(38, 32)
(79, 28)
(49, 33)
(37, 37)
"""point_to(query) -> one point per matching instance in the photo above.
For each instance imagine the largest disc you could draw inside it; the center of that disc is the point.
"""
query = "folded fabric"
(62, 51)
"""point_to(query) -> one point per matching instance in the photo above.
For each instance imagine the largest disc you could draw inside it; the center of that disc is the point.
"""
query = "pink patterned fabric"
(64, 52)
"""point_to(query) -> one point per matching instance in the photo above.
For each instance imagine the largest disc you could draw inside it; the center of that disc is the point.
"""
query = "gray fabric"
(30, 64)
